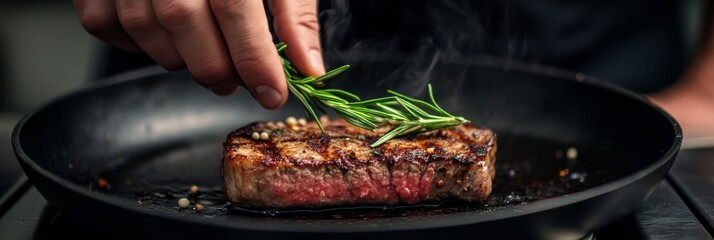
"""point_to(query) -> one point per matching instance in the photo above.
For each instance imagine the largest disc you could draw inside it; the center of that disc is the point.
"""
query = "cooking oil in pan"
(527, 170)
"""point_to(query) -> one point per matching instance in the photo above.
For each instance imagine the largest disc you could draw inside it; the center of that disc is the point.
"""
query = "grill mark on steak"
(271, 152)
(296, 166)
(319, 144)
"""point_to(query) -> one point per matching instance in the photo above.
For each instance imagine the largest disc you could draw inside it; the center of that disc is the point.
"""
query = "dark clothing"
(635, 44)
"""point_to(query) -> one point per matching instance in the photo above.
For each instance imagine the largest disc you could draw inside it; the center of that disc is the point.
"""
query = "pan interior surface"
(561, 141)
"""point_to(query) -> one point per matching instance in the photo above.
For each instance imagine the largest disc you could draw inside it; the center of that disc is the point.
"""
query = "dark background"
(44, 52)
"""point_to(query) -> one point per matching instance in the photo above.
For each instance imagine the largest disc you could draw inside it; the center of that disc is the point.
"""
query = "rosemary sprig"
(406, 115)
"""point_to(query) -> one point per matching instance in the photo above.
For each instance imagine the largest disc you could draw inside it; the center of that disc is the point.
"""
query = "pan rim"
(449, 220)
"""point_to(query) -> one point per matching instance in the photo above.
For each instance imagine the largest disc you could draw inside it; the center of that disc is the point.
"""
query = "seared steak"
(298, 166)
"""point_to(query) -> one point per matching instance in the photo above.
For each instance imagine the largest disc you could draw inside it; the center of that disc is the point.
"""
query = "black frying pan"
(152, 134)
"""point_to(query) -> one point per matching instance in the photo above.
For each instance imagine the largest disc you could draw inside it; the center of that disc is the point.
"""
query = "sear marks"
(299, 166)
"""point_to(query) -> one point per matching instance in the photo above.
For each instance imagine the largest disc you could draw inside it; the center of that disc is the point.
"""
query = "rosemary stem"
(405, 115)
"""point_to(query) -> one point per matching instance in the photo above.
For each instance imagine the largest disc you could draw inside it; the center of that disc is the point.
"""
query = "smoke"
(403, 45)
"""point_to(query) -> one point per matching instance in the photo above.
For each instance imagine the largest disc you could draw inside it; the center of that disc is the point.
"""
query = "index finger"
(245, 30)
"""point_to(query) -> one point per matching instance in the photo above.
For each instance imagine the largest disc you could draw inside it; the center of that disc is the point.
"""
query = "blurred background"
(44, 52)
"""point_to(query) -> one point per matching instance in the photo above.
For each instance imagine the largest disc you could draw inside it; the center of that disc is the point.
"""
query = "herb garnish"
(404, 114)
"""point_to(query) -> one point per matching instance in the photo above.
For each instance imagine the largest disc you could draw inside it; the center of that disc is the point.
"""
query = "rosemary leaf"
(438, 108)
(394, 132)
(332, 73)
(343, 93)
(405, 115)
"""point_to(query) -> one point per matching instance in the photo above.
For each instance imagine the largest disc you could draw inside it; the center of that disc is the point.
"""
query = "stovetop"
(682, 207)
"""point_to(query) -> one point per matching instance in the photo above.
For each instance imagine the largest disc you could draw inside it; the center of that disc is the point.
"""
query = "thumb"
(296, 24)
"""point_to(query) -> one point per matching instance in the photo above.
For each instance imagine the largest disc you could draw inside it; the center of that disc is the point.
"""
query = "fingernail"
(316, 61)
(268, 96)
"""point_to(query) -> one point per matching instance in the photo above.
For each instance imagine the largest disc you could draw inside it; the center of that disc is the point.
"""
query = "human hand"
(223, 43)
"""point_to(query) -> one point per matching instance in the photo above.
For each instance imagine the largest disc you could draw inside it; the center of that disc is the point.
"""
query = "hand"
(223, 43)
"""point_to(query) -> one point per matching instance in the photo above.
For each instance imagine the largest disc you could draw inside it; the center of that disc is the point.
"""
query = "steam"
(413, 39)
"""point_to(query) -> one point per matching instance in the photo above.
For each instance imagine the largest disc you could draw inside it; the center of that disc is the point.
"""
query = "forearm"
(691, 100)
(699, 77)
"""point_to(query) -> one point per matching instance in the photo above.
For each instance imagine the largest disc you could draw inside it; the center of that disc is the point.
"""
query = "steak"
(299, 166)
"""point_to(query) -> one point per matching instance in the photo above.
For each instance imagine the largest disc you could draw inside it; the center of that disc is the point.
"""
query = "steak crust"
(299, 166)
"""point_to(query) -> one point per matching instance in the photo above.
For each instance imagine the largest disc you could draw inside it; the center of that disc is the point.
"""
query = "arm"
(691, 100)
